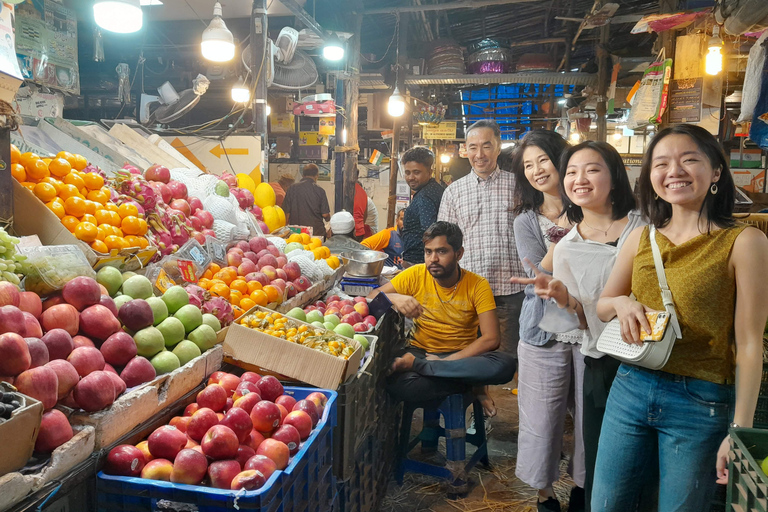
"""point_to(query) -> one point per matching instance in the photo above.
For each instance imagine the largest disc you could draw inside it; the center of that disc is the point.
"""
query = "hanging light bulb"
(575, 137)
(333, 49)
(396, 105)
(121, 16)
(240, 92)
(714, 59)
(218, 43)
(618, 134)
(269, 110)
(445, 158)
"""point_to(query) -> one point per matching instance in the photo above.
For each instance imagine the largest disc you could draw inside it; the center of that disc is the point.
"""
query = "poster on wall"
(46, 44)
(685, 97)
(10, 74)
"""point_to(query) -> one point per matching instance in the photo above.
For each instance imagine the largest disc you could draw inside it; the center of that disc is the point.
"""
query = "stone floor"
(492, 490)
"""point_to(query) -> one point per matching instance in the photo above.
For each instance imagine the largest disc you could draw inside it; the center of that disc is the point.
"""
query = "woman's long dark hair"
(718, 207)
(525, 196)
(622, 198)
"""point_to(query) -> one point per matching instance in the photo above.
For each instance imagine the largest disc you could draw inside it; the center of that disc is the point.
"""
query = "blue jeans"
(652, 418)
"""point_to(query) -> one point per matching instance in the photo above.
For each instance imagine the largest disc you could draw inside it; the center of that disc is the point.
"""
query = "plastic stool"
(457, 468)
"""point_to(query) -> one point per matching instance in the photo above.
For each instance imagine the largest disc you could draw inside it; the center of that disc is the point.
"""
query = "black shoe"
(551, 505)
(576, 501)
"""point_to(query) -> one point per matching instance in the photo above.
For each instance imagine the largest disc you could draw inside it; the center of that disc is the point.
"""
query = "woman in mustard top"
(678, 417)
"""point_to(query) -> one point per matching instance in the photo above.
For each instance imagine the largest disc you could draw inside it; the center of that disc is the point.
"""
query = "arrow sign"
(218, 151)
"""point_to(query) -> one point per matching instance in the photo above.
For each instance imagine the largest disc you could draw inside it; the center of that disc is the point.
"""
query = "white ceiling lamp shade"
(333, 49)
(240, 92)
(218, 43)
(121, 16)
(396, 105)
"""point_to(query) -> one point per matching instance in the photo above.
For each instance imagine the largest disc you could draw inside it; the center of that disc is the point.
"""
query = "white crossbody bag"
(657, 346)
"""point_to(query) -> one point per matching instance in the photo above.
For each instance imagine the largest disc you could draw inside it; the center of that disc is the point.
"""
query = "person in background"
(425, 203)
(360, 208)
(389, 241)
(372, 217)
(281, 187)
(481, 203)
(598, 199)
(449, 305)
(306, 204)
(550, 365)
(341, 234)
(676, 419)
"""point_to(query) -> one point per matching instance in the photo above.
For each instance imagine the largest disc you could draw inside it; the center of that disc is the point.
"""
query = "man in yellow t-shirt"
(449, 305)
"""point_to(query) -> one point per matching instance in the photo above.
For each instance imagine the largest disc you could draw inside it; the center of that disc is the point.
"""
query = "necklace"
(605, 233)
(453, 292)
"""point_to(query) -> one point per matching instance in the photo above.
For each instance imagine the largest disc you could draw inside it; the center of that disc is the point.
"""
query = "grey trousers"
(549, 384)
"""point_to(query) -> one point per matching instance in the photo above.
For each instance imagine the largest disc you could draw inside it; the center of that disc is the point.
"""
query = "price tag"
(163, 282)
(187, 269)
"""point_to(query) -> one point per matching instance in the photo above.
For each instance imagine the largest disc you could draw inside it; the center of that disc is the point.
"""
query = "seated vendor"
(389, 241)
(449, 305)
(341, 234)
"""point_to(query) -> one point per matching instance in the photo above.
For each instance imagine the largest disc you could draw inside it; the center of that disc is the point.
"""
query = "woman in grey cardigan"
(550, 365)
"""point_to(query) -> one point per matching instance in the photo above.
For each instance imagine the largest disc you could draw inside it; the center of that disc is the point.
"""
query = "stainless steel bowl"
(363, 263)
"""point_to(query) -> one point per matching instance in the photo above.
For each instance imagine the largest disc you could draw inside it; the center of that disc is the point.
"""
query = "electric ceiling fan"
(170, 105)
(285, 66)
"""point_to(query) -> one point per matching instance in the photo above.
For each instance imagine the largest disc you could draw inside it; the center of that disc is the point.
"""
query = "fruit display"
(331, 342)
(335, 311)
(9, 402)
(12, 263)
(302, 241)
(235, 436)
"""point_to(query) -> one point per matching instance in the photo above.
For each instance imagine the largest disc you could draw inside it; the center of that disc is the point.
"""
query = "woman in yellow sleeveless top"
(678, 417)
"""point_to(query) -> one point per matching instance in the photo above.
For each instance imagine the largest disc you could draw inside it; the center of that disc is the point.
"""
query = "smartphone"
(659, 321)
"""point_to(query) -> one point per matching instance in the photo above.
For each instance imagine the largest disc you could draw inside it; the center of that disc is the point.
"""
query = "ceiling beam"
(459, 4)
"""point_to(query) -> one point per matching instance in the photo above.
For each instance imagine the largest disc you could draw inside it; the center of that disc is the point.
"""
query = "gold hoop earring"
(656, 196)
(713, 188)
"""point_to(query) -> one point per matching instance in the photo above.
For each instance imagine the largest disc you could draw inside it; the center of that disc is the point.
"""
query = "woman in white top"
(598, 199)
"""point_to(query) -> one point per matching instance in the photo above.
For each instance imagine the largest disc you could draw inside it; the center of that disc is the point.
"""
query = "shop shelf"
(306, 485)
(747, 484)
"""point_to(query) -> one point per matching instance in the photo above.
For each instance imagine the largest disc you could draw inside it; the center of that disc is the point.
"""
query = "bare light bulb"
(240, 93)
(445, 158)
(396, 105)
(218, 42)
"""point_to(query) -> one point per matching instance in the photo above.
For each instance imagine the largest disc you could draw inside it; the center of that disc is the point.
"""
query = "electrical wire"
(389, 46)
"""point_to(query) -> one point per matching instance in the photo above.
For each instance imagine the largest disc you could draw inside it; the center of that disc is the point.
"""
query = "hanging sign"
(443, 131)
(685, 97)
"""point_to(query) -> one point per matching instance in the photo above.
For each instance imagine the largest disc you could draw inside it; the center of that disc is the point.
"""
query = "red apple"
(258, 276)
(229, 382)
(61, 316)
(144, 447)
(270, 388)
(261, 463)
(265, 416)
(244, 452)
(222, 472)
(138, 371)
(58, 341)
(191, 409)
(362, 308)
(40, 383)
(98, 322)
(86, 360)
(254, 439)
(118, 349)
(308, 407)
(124, 460)
(220, 443)
(54, 431)
(189, 467)
(247, 401)
(248, 480)
(95, 391)
(213, 397)
(215, 377)
(269, 271)
(286, 401)
(180, 422)
(15, 357)
(246, 267)
(275, 450)
(38, 352)
(12, 320)
(240, 423)
(293, 272)
(200, 422)
(9, 294)
(83, 341)
(302, 283)
(66, 376)
(166, 442)
(289, 435)
(301, 421)
(32, 327)
(230, 403)
(158, 469)
(244, 388)
(81, 292)
(119, 383)
(136, 314)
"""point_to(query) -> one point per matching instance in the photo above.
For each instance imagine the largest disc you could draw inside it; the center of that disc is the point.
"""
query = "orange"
(53, 181)
(57, 207)
(295, 237)
(143, 242)
(18, 172)
(128, 210)
(15, 154)
(29, 185)
(70, 222)
(89, 218)
(59, 167)
(37, 170)
(46, 160)
(45, 192)
(66, 155)
(114, 242)
(86, 232)
(224, 276)
(74, 179)
(118, 232)
(326, 251)
(112, 207)
(102, 216)
(237, 312)
(80, 162)
(235, 297)
(315, 243)
(305, 238)
(75, 206)
(207, 274)
(240, 285)
(100, 196)
(318, 253)
(102, 232)
(92, 180)
(220, 290)
(253, 286)
(68, 191)
(259, 297)
(204, 283)
(214, 268)
(27, 158)
(132, 241)
(99, 246)
(247, 303)
(130, 225)
(91, 207)
(273, 293)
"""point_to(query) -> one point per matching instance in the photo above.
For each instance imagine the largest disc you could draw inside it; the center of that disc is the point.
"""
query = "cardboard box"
(282, 123)
(313, 139)
(313, 152)
(32, 217)
(249, 348)
(20, 432)
(135, 407)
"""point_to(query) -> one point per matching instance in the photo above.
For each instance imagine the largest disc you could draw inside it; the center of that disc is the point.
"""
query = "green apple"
(318, 324)
(332, 319)
(329, 325)
(127, 275)
(138, 287)
(149, 341)
(165, 362)
(172, 330)
(362, 340)
(175, 297)
(345, 330)
(186, 351)
(122, 299)
(111, 279)
(190, 316)
(314, 316)
(159, 309)
(298, 314)
(204, 337)
(209, 319)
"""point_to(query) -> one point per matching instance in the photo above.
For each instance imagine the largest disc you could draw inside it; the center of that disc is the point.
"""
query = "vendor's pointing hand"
(544, 285)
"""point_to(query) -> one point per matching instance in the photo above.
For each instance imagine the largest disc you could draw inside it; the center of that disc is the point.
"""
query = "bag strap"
(666, 294)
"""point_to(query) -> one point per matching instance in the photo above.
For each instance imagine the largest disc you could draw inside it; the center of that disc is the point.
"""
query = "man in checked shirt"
(481, 204)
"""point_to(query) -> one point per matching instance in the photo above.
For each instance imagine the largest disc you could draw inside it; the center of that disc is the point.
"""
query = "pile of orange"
(80, 200)
(224, 282)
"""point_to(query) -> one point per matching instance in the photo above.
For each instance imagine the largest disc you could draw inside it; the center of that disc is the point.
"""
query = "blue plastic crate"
(306, 485)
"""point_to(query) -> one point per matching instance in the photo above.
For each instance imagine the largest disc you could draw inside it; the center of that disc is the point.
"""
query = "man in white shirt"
(481, 204)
